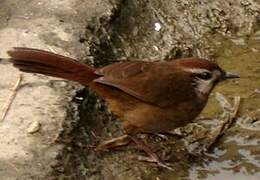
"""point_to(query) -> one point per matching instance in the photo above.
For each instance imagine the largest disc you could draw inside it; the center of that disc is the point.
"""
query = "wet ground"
(108, 31)
(237, 154)
(41, 106)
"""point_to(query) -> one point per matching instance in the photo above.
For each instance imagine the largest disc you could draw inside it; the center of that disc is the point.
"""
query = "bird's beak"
(229, 75)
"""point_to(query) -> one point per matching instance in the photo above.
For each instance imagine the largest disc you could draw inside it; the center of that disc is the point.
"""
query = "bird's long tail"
(47, 63)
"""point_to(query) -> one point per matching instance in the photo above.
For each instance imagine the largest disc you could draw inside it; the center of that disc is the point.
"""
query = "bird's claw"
(156, 160)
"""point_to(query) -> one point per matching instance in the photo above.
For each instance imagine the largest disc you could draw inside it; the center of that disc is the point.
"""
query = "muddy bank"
(161, 30)
(41, 108)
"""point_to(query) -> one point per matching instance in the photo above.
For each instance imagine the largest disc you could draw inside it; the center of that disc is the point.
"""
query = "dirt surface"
(42, 103)
(100, 32)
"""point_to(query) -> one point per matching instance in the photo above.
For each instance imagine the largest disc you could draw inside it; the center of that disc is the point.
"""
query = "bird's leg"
(153, 157)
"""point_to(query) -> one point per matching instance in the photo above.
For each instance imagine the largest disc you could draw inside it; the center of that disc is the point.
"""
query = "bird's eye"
(204, 75)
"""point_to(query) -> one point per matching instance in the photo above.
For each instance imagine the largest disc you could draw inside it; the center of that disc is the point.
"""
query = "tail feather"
(47, 63)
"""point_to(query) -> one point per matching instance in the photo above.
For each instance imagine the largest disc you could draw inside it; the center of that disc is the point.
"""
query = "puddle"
(237, 155)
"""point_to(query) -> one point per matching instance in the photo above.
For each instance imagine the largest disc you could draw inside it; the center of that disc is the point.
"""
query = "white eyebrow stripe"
(196, 70)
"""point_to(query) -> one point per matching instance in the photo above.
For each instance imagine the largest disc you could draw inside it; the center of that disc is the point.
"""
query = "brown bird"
(149, 97)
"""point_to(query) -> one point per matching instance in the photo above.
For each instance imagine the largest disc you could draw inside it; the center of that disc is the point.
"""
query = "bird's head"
(204, 74)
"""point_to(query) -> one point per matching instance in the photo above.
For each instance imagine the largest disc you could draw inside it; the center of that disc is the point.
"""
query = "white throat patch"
(203, 86)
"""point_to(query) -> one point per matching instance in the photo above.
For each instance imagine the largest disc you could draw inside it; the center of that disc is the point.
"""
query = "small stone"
(34, 127)
(157, 26)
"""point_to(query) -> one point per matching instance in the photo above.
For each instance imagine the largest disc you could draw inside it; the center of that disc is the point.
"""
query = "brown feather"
(196, 63)
(47, 63)
(143, 81)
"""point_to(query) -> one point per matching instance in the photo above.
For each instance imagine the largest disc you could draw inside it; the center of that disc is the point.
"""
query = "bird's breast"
(139, 116)
(150, 118)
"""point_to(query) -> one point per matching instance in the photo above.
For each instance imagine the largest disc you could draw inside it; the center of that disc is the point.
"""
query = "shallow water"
(237, 155)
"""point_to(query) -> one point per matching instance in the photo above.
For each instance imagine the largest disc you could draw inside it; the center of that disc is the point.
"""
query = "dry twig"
(11, 98)
(52, 50)
(228, 121)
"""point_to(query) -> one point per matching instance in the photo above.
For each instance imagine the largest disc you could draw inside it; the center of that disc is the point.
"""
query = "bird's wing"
(150, 82)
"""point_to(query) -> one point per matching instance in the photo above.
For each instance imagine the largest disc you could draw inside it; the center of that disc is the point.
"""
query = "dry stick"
(11, 98)
(227, 123)
(115, 142)
(52, 50)
(232, 116)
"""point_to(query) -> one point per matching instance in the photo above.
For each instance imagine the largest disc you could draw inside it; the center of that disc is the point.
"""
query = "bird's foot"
(152, 157)
(155, 159)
